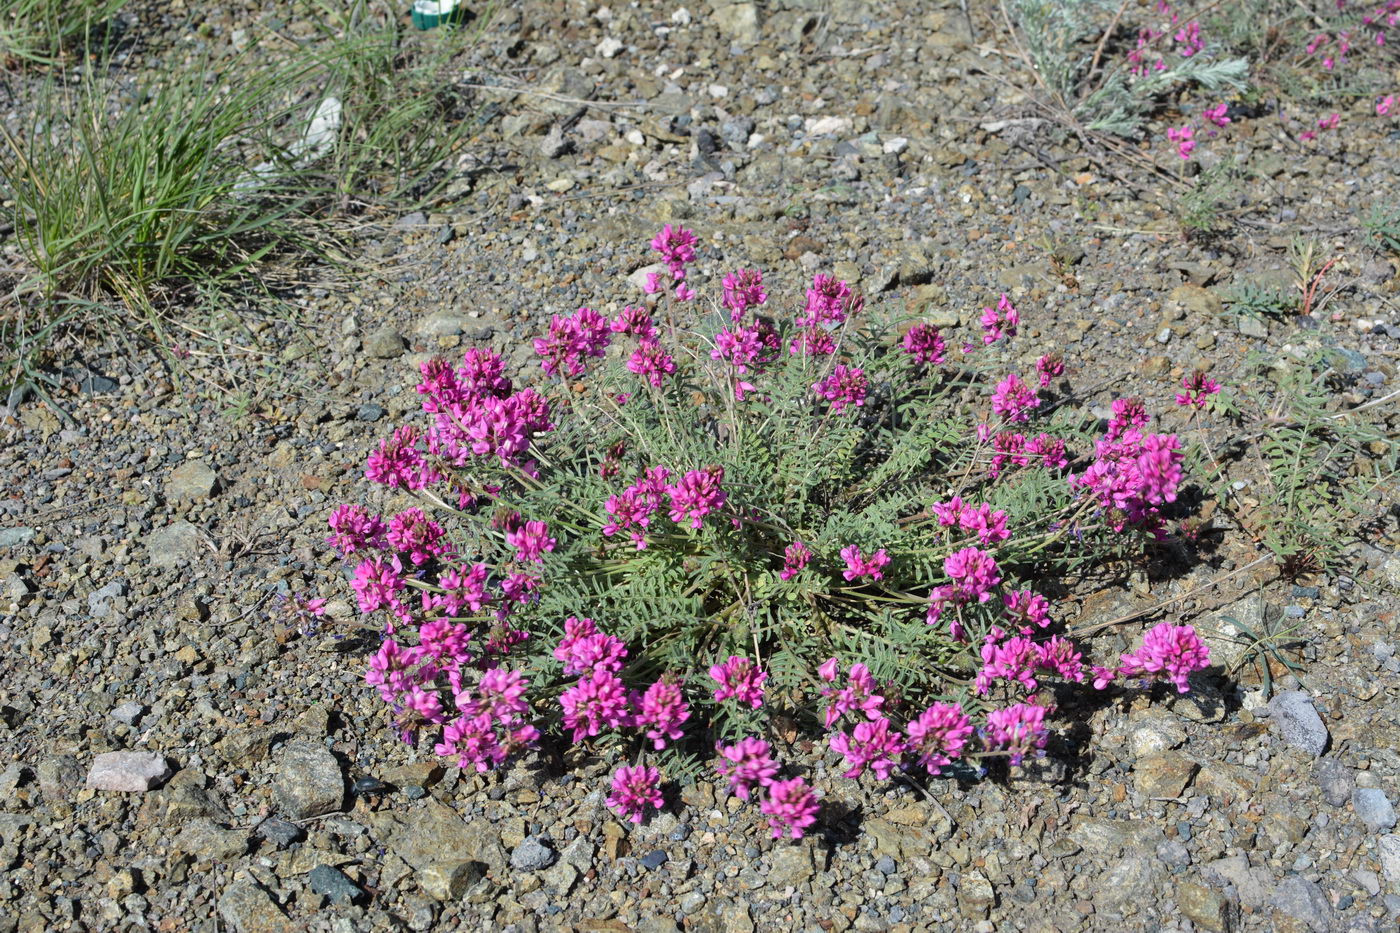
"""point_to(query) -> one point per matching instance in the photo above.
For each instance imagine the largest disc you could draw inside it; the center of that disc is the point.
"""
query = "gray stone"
(654, 859)
(1303, 900)
(166, 547)
(561, 878)
(411, 221)
(248, 908)
(128, 712)
(58, 776)
(279, 832)
(368, 412)
(191, 481)
(99, 600)
(447, 854)
(1164, 774)
(444, 323)
(308, 781)
(1252, 885)
(886, 865)
(1227, 642)
(533, 854)
(554, 144)
(1373, 808)
(385, 343)
(791, 865)
(1298, 722)
(14, 537)
(205, 839)
(1252, 325)
(333, 884)
(1131, 878)
(738, 21)
(1389, 848)
(129, 772)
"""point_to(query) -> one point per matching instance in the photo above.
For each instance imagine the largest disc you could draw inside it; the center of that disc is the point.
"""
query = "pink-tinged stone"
(133, 772)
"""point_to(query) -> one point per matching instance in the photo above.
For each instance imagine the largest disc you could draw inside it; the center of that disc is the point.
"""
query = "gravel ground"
(144, 548)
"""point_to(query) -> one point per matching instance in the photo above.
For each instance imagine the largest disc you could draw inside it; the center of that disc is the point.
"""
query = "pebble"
(280, 832)
(386, 343)
(1335, 780)
(14, 537)
(130, 772)
(191, 481)
(308, 781)
(128, 712)
(654, 859)
(885, 865)
(333, 884)
(369, 413)
(533, 854)
(1298, 722)
(1373, 808)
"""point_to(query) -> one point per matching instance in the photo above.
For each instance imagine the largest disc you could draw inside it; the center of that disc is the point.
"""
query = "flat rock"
(1204, 907)
(533, 854)
(1252, 885)
(791, 865)
(1389, 848)
(175, 542)
(1335, 780)
(1303, 900)
(191, 481)
(448, 855)
(386, 343)
(129, 772)
(205, 839)
(308, 781)
(248, 908)
(738, 21)
(333, 884)
(1373, 808)
(1298, 722)
(1163, 774)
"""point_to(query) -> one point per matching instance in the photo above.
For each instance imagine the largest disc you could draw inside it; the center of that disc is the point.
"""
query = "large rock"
(175, 542)
(191, 481)
(1373, 808)
(248, 908)
(791, 865)
(308, 781)
(206, 840)
(130, 772)
(738, 21)
(1164, 774)
(447, 854)
(1298, 722)
(1303, 900)
(1205, 908)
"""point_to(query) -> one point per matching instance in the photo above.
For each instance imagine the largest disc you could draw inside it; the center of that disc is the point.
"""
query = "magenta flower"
(829, 669)
(739, 679)
(1000, 321)
(1060, 656)
(1017, 729)
(747, 764)
(990, 526)
(597, 652)
(634, 789)
(531, 541)
(845, 386)
(795, 557)
(377, 583)
(1013, 399)
(677, 247)
(1169, 651)
(1185, 138)
(696, 495)
(1051, 451)
(973, 573)
(1329, 122)
(925, 344)
(595, 703)
(1127, 413)
(662, 710)
(355, 528)
(1199, 388)
(1384, 104)
(1217, 115)
(635, 321)
(858, 696)
(651, 362)
(1048, 367)
(858, 566)
(585, 333)
(1025, 609)
(874, 745)
(1010, 659)
(743, 290)
(938, 735)
(398, 464)
(829, 302)
(790, 806)
(444, 641)
(812, 341)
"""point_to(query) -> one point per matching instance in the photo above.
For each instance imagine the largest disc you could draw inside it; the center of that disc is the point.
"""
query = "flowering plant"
(705, 513)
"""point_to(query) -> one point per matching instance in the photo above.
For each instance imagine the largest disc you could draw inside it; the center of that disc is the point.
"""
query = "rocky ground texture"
(175, 757)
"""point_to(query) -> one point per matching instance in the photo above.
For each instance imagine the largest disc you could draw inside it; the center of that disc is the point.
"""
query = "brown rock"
(1164, 774)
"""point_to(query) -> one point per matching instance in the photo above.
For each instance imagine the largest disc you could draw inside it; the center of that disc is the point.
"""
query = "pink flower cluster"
(989, 525)
(634, 789)
(1016, 658)
(829, 302)
(1170, 652)
(739, 679)
(743, 290)
(1185, 139)
(1019, 730)
(677, 248)
(858, 566)
(1014, 400)
(1009, 447)
(585, 333)
(1049, 367)
(973, 573)
(745, 348)
(1199, 388)
(1133, 473)
(925, 344)
(845, 386)
(1001, 321)
(795, 557)
(632, 509)
(474, 414)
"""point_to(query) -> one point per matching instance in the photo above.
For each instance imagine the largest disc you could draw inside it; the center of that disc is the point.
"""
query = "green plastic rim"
(430, 14)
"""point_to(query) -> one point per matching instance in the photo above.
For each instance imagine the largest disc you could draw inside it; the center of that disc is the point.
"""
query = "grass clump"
(49, 32)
